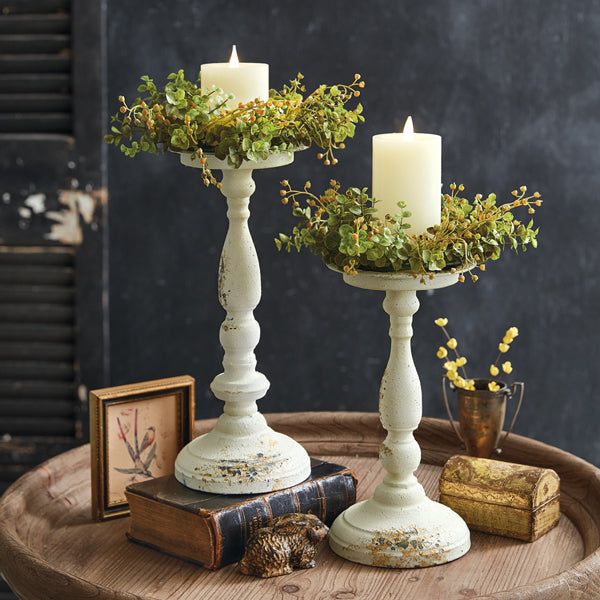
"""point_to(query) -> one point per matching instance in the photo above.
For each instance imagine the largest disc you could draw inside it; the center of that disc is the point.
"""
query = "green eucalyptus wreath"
(345, 231)
(184, 118)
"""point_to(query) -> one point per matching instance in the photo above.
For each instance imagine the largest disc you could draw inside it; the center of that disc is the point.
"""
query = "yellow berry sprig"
(451, 366)
(503, 347)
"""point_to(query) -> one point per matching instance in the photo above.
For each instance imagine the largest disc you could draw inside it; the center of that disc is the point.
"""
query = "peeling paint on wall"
(60, 217)
(67, 222)
(36, 202)
(24, 212)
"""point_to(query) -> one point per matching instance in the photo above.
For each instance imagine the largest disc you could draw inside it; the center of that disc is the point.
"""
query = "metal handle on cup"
(513, 389)
(449, 411)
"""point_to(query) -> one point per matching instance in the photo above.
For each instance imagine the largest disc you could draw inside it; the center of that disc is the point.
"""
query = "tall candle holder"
(242, 454)
(399, 526)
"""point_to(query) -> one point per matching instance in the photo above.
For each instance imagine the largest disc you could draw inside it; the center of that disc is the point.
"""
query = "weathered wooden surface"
(50, 548)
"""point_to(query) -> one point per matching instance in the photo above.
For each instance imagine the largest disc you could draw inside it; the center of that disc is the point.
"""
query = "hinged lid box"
(502, 498)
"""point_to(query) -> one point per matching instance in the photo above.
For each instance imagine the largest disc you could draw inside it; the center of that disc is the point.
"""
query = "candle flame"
(408, 127)
(234, 61)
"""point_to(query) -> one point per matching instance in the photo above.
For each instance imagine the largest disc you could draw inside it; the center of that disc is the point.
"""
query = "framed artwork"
(136, 432)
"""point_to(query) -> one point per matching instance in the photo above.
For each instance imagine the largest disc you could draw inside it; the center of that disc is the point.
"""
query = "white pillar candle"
(246, 81)
(407, 167)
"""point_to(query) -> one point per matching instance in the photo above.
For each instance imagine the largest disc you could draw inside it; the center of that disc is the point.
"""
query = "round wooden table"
(50, 549)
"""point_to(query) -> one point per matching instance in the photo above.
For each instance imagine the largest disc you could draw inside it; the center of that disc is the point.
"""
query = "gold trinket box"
(502, 498)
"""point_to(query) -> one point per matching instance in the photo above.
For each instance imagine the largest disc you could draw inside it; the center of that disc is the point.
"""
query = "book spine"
(339, 493)
(326, 498)
(233, 526)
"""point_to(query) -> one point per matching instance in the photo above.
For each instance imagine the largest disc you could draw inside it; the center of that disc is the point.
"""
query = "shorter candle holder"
(399, 526)
(242, 454)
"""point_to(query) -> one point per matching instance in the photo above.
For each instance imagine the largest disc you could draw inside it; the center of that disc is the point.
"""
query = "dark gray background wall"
(514, 89)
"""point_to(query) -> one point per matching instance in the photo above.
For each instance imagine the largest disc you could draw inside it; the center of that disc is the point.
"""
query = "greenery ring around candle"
(183, 117)
(343, 228)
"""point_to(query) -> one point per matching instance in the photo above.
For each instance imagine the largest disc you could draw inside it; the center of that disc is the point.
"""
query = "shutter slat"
(35, 426)
(35, 351)
(37, 389)
(28, 23)
(36, 313)
(34, 43)
(8, 7)
(35, 123)
(13, 103)
(37, 255)
(36, 274)
(36, 293)
(36, 370)
(17, 407)
(38, 332)
(23, 83)
(35, 63)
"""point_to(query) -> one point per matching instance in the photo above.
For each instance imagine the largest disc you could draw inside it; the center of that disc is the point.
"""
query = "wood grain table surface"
(50, 549)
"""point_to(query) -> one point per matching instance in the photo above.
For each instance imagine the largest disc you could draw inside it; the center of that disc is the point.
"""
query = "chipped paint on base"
(220, 465)
(239, 472)
(405, 547)
(423, 535)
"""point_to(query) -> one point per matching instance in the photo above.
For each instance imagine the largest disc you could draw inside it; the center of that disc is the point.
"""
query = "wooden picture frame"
(136, 432)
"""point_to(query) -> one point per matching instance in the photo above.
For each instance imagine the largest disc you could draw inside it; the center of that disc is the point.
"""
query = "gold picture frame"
(136, 432)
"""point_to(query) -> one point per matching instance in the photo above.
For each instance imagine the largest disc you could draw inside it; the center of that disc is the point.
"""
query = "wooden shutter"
(53, 310)
(38, 390)
(35, 67)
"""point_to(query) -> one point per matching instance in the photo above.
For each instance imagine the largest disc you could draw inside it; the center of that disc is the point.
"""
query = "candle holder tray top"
(242, 454)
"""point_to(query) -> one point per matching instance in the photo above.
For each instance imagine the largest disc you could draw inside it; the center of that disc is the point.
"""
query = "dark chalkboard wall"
(514, 89)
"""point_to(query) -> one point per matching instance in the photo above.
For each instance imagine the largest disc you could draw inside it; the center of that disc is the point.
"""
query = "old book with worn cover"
(502, 498)
(211, 529)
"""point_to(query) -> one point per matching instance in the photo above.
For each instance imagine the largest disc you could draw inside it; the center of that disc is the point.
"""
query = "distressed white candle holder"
(399, 526)
(242, 454)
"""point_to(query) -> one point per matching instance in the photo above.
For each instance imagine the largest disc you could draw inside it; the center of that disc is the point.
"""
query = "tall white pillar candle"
(407, 167)
(246, 81)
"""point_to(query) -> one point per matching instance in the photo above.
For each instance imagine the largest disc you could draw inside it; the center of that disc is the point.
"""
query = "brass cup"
(481, 415)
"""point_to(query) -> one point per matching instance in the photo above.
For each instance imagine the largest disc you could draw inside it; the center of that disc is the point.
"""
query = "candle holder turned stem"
(242, 454)
(399, 526)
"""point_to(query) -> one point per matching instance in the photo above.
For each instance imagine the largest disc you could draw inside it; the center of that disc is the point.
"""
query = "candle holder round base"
(225, 461)
(242, 454)
(399, 527)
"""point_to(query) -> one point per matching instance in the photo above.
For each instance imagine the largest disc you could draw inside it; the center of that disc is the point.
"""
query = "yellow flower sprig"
(451, 366)
(503, 347)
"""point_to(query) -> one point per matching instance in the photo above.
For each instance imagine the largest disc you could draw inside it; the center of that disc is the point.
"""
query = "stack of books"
(212, 529)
